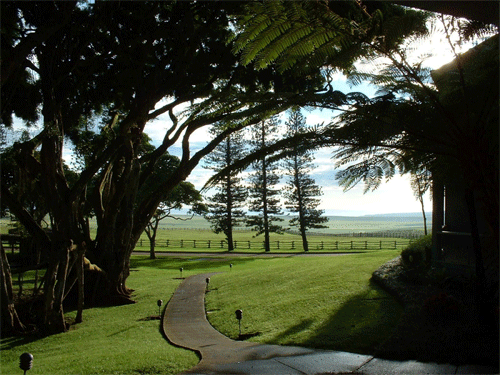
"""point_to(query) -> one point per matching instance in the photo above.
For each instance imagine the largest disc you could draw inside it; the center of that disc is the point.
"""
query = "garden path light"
(239, 315)
(159, 303)
(26, 362)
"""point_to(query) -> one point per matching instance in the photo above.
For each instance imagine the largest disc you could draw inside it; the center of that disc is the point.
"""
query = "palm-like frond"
(470, 30)
(315, 33)
(371, 171)
(284, 31)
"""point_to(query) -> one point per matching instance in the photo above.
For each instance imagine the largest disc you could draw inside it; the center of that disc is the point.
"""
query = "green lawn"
(322, 302)
(113, 340)
(318, 302)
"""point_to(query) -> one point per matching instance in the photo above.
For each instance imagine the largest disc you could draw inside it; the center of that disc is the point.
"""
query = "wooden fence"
(410, 234)
(10, 241)
(280, 245)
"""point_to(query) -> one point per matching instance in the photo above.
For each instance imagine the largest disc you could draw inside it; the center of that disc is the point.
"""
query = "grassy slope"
(319, 302)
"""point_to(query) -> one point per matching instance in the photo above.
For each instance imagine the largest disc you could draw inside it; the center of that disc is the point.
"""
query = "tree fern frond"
(272, 51)
(470, 30)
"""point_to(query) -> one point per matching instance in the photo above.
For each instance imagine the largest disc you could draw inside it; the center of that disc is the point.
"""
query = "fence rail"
(279, 245)
(391, 233)
(11, 241)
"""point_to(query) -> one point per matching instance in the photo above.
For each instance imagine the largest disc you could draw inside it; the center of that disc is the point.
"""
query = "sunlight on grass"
(112, 340)
(319, 302)
(322, 302)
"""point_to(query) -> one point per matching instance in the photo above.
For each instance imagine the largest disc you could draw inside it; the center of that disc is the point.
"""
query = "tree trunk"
(305, 245)
(152, 254)
(81, 282)
(151, 230)
(9, 322)
(115, 239)
(55, 288)
(423, 213)
(229, 195)
(229, 238)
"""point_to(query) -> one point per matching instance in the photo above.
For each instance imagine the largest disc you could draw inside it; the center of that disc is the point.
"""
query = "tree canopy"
(99, 73)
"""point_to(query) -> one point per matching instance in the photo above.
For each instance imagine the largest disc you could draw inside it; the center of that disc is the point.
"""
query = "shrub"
(442, 306)
(416, 254)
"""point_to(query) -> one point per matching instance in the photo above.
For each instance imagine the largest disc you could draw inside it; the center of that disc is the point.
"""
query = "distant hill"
(336, 224)
(401, 214)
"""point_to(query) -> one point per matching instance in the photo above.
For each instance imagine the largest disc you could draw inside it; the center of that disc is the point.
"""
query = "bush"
(417, 254)
(442, 306)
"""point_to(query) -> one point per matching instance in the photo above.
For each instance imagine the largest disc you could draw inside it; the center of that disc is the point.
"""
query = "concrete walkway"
(185, 325)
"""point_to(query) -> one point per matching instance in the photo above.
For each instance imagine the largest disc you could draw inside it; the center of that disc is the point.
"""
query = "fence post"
(209, 244)
(336, 245)
(249, 244)
(351, 245)
(168, 242)
(140, 242)
(278, 244)
(235, 244)
(182, 243)
(322, 248)
(222, 244)
(395, 245)
(194, 244)
(366, 245)
(293, 245)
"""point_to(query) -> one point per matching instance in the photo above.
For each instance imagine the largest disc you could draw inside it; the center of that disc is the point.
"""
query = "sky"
(393, 196)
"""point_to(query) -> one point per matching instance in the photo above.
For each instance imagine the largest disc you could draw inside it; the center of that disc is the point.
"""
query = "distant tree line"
(261, 191)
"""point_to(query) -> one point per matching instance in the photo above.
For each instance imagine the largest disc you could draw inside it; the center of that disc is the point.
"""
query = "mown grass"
(318, 302)
(114, 340)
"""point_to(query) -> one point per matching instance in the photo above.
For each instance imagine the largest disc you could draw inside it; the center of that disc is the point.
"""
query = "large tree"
(226, 205)
(263, 192)
(301, 191)
(115, 67)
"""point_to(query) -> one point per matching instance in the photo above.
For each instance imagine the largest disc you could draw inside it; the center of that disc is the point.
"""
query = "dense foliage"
(99, 73)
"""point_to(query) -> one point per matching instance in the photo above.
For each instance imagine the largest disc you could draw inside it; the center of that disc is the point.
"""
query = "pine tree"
(264, 197)
(225, 205)
(301, 189)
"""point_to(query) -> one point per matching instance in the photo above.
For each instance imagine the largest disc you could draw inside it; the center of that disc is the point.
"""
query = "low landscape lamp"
(239, 315)
(26, 361)
(230, 266)
(180, 269)
(159, 303)
(207, 280)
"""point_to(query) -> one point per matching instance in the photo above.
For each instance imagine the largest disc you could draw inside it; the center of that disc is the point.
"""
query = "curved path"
(185, 325)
